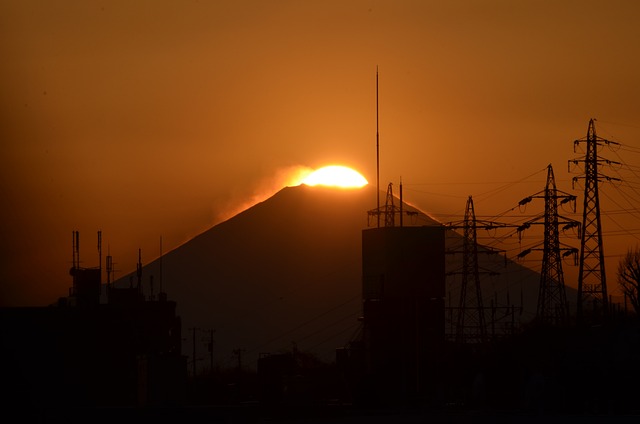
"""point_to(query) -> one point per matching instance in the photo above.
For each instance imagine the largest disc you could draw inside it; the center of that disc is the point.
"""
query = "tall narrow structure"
(390, 210)
(552, 299)
(470, 321)
(86, 288)
(377, 154)
(403, 271)
(592, 303)
(471, 326)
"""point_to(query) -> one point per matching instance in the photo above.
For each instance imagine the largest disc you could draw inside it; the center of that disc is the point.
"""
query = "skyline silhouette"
(400, 357)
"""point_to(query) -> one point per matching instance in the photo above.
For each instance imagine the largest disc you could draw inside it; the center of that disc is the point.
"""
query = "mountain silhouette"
(287, 272)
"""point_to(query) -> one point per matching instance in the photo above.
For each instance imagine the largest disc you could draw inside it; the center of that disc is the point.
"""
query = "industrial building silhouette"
(403, 311)
(79, 352)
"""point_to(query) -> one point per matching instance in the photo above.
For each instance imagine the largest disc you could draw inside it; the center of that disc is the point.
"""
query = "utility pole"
(193, 365)
(592, 281)
(552, 299)
(238, 352)
(210, 347)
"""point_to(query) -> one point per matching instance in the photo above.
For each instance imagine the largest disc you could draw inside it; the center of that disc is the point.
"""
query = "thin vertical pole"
(194, 353)
(100, 254)
(377, 155)
(401, 211)
(211, 349)
(160, 289)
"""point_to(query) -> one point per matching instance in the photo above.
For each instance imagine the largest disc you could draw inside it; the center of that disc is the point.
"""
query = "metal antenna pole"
(211, 348)
(160, 289)
(139, 269)
(401, 211)
(75, 238)
(100, 253)
(377, 154)
(109, 266)
(73, 247)
(194, 352)
(76, 246)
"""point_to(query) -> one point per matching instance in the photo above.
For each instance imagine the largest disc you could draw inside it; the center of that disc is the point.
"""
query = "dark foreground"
(311, 415)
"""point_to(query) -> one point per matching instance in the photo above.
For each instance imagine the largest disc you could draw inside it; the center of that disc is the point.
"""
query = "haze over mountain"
(288, 271)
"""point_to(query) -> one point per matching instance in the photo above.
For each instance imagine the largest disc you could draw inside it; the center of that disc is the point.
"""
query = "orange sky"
(157, 118)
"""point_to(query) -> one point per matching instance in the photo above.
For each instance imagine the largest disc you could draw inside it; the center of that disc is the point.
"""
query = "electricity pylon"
(471, 323)
(389, 210)
(471, 308)
(592, 281)
(552, 298)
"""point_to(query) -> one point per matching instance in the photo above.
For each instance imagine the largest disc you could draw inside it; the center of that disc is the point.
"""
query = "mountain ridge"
(286, 271)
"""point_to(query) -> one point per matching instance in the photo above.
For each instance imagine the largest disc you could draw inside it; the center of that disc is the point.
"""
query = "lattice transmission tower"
(552, 298)
(471, 326)
(592, 303)
(471, 312)
(390, 210)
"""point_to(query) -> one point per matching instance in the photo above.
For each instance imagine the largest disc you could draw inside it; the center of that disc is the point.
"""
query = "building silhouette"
(396, 358)
(79, 352)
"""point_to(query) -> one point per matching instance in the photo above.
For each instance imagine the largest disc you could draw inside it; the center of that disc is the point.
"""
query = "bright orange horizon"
(145, 121)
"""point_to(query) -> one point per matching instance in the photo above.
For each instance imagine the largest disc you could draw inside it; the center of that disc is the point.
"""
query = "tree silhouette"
(629, 277)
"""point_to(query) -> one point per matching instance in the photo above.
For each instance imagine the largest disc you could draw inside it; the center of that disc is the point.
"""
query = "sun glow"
(335, 176)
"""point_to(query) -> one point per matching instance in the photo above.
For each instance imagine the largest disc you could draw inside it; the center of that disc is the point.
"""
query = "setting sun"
(335, 176)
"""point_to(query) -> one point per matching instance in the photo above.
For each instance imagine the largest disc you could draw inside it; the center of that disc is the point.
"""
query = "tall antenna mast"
(76, 249)
(160, 291)
(75, 240)
(100, 254)
(401, 223)
(73, 247)
(139, 269)
(377, 154)
(109, 266)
